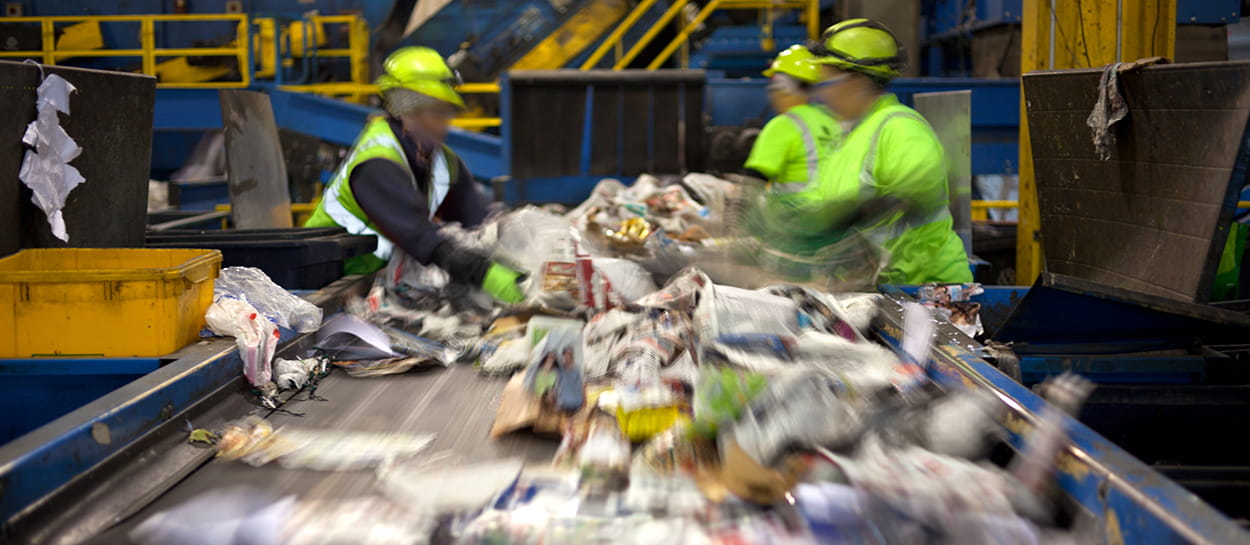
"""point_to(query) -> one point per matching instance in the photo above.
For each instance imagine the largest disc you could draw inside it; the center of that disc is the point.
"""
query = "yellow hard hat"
(796, 61)
(422, 70)
(862, 46)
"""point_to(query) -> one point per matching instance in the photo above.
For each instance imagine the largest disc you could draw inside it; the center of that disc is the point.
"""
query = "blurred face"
(840, 90)
(432, 122)
(785, 93)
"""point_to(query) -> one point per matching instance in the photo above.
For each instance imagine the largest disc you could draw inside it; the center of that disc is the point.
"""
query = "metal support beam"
(1059, 34)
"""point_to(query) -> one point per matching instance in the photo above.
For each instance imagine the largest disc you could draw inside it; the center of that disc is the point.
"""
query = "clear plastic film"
(253, 286)
(45, 168)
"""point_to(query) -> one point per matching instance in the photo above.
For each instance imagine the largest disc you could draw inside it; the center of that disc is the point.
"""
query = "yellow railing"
(303, 40)
(614, 41)
(148, 53)
(981, 209)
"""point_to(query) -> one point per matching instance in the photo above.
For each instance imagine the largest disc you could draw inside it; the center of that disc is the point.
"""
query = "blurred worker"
(886, 176)
(400, 175)
(789, 148)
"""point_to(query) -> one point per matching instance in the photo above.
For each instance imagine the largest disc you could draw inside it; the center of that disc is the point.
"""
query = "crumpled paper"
(46, 169)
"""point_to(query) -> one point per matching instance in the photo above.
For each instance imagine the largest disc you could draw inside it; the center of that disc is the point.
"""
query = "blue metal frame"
(34, 392)
(38, 463)
(1135, 503)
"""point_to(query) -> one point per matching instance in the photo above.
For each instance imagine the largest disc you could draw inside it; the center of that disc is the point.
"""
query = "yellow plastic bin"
(111, 303)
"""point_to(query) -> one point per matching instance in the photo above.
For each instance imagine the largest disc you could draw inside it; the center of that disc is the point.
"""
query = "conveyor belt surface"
(455, 403)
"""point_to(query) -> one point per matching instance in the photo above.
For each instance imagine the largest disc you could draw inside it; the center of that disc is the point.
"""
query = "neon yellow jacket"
(791, 145)
(891, 152)
(338, 206)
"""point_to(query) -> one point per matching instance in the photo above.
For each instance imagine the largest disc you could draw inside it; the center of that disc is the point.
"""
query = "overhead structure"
(1079, 34)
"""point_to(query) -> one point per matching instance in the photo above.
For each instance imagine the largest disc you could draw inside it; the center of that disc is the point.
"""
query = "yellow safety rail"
(148, 52)
(810, 8)
(981, 209)
(357, 51)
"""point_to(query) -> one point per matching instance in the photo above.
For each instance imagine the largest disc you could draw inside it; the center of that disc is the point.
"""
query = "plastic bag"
(46, 169)
(293, 374)
(254, 286)
(529, 237)
(256, 337)
(628, 279)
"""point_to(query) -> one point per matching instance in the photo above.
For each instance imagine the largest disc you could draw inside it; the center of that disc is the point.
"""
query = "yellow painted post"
(614, 39)
(358, 42)
(243, 39)
(49, 41)
(668, 15)
(1059, 34)
(813, 19)
(1149, 29)
(147, 37)
(683, 35)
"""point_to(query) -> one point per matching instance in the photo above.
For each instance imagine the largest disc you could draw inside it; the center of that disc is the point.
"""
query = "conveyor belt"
(456, 403)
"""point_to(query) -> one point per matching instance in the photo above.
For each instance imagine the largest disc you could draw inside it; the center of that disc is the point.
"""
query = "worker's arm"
(401, 213)
(772, 147)
(909, 176)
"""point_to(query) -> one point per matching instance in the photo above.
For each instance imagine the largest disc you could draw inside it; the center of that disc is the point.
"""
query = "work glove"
(501, 283)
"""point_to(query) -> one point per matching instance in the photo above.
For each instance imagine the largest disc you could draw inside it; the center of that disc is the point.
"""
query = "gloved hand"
(501, 283)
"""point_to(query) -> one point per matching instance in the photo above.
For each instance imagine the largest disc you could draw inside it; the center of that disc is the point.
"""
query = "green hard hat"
(796, 61)
(862, 46)
(422, 70)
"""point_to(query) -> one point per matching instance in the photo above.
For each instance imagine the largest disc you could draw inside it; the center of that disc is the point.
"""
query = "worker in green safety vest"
(400, 176)
(788, 151)
(885, 176)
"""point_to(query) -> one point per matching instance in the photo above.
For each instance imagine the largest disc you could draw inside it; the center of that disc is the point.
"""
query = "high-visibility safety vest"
(791, 145)
(338, 205)
(891, 152)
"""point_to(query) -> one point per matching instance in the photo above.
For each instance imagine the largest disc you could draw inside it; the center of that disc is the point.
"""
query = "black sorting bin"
(294, 258)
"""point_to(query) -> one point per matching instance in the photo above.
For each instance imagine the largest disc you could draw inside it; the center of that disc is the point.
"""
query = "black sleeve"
(466, 202)
(401, 213)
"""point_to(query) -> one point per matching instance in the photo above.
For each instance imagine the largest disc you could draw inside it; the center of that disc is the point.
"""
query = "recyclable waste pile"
(697, 397)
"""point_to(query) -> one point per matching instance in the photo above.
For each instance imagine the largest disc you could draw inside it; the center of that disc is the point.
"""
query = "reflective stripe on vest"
(868, 190)
(809, 144)
(442, 182)
(338, 212)
(379, 142)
